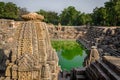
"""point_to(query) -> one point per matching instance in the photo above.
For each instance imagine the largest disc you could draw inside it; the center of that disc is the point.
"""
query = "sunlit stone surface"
(29, 55)
(33, 52)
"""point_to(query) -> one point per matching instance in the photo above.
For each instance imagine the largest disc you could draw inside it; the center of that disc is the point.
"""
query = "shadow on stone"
(3, 59)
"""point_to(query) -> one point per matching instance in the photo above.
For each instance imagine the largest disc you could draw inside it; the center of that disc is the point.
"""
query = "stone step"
(80, 77)
(79, 71)
(78, 74)
(63, 78)
(112, 52)
(114, 66)
(91, 73)
(88, 75)
(107, 70)
(99, 72)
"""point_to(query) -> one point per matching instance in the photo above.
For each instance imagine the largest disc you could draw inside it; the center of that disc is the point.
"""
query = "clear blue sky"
(86, 6)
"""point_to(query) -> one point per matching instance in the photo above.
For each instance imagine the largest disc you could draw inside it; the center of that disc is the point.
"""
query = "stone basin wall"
(66, 32)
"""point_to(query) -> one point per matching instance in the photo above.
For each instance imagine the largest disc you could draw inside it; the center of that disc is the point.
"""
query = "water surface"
(70, 53)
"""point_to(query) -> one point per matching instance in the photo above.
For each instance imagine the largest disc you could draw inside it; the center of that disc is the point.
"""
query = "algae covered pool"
(70, 53)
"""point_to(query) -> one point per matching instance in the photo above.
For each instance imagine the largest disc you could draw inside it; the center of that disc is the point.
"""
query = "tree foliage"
(99, 16)
(69, 16)
(109, 15)
(8, 10)
(50, 17)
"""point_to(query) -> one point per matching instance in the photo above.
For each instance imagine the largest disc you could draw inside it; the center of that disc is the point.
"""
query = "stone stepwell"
(106, 68)
(26, 52)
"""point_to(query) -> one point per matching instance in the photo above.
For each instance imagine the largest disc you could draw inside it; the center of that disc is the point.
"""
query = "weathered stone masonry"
(26, 52)
(32, 55)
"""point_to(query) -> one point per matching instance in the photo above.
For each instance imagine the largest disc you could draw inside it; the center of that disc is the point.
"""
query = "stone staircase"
(111, 51)
(64, 75)
(75, 74)
(104, 69)
(78, 74)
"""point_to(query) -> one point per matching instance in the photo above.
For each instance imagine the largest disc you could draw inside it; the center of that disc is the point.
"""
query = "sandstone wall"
(65, 32)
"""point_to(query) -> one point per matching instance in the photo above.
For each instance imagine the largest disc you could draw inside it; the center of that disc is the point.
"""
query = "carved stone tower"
(34, 58)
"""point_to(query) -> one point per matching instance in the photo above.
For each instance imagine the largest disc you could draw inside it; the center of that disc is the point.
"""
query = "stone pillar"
(59, 27)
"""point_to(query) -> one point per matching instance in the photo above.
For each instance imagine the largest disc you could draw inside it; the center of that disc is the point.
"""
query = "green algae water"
(70, 53)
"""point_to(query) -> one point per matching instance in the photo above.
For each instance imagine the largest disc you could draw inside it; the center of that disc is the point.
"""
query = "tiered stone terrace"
(105, 38)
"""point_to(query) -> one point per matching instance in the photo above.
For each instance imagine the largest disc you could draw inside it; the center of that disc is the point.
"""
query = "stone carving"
(32, 56)
(33, 16)
(93, 56)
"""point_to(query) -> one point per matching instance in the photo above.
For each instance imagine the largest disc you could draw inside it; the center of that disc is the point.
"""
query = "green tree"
(99, 16)
(2, 5)
(50, 17)
(69, 16)
(84, 19)
(112, 8)
(117, 10)
(110, 13)
(10, 11)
